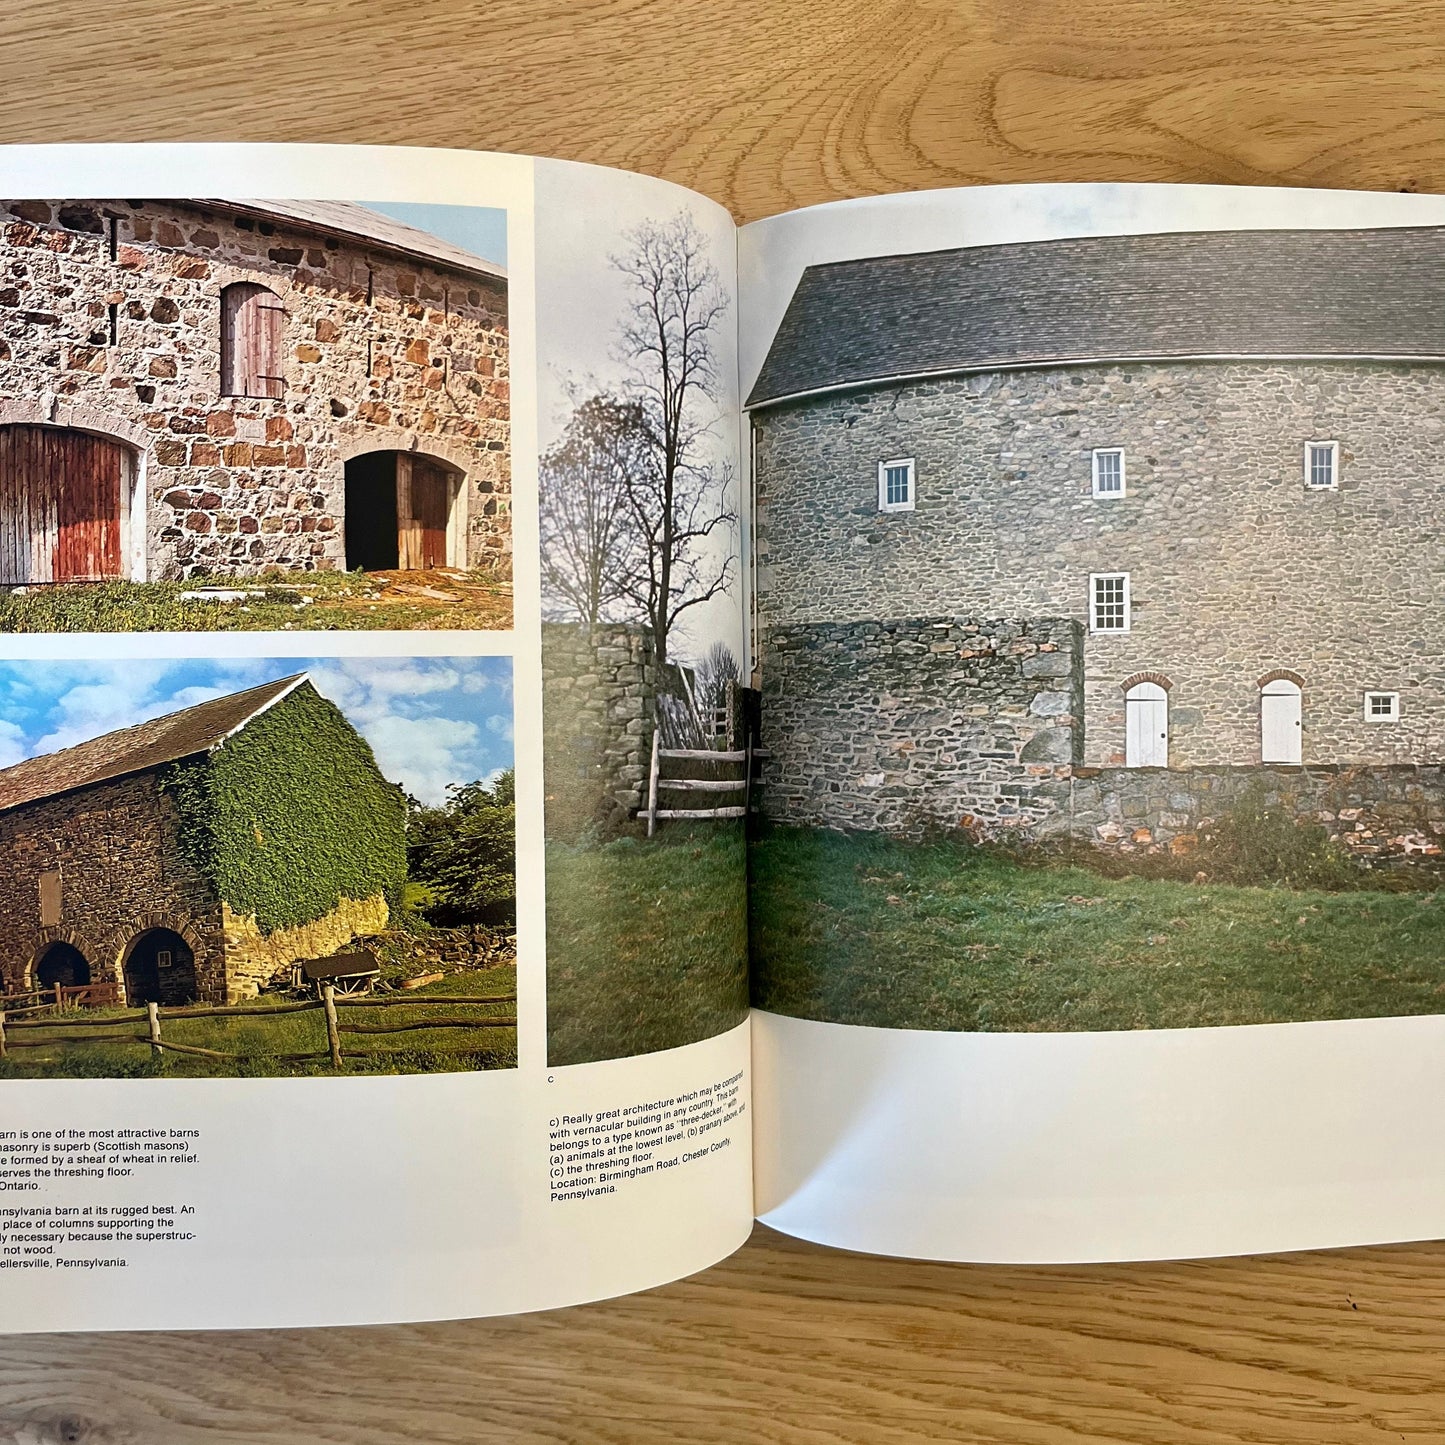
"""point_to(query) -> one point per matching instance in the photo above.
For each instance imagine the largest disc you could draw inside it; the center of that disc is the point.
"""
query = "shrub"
(1257, 841)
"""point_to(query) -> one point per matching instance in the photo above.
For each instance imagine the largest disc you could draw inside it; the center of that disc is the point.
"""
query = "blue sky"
(482, 230)
(430, 721)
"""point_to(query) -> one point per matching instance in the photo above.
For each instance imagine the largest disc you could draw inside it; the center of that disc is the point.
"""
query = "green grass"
(866, 930)
(298, 601)
(261, 1039)
(646, 943)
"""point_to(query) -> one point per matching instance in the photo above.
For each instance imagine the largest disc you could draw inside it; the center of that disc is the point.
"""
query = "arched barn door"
(160, 968)
(401, 513)
(62, 495)
(62, 964)
(1281, 725)
(1146, 735)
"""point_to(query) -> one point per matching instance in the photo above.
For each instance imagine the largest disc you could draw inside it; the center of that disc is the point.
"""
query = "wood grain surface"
(767, 106)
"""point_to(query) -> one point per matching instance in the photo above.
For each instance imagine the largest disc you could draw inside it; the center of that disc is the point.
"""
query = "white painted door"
(1146, 734)
(1281, 729)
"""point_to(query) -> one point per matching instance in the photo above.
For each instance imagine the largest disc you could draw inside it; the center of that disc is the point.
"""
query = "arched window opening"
(1146, 733)
(1281, 721)
(253, 335)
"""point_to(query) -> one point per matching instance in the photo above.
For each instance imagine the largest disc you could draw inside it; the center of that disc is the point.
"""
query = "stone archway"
(159, 966)
(406, 510)
(61, 963)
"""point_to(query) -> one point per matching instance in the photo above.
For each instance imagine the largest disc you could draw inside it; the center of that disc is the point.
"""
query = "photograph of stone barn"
(209, 388)
(197, 856)
(1130, 547)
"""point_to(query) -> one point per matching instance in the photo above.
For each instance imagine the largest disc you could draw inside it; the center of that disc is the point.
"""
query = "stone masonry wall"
(382, 352)
(1236, 569)
(935, 722)
(120, 872)
(255, 959)
(1380, 814)
(597, 709)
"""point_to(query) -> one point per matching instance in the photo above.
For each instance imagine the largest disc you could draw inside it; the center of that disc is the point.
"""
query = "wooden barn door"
(60, 505)
(423, 503)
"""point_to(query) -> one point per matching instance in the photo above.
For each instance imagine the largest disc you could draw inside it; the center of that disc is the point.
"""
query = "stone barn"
(1083, 535)
(221, 386)
(197, 856)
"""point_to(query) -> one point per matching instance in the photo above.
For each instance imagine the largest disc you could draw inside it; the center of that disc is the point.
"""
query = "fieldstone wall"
(1382, 815)
(598, 690)
(1236, 569)
(911, 725)
(121, 874)
(255, 958)
(110, 321)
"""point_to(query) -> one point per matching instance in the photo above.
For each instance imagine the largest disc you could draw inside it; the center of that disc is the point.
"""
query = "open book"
(538, 726)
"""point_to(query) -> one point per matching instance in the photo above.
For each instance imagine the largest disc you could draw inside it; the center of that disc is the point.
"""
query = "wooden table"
(767, 106)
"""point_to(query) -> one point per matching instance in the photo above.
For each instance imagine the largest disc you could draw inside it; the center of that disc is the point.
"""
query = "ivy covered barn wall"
(290, 816)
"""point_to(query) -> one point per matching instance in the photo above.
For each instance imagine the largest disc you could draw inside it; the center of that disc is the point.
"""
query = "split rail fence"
(93, 1031)
(711, 781)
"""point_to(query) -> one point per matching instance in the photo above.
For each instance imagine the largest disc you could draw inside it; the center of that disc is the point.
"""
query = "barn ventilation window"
(1382, 707)
(1109, 472)
(895, 485)
(1109, 602)
(253, 333)
(1322, 466)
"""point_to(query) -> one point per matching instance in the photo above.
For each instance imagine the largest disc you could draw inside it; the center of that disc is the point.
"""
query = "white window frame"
(884, 505)
(1094, 468)
(1334, 450)
(1094, 579)
(1381, 717)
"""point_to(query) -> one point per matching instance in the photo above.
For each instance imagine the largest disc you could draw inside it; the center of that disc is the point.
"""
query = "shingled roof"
(165, 739)
(1378, 293)
(354, 222)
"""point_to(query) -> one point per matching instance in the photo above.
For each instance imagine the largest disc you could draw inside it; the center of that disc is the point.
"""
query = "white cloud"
(424, 755)
(13, 748)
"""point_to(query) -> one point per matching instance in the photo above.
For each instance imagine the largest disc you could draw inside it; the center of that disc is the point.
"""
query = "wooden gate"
(423, 504)
(60, 505)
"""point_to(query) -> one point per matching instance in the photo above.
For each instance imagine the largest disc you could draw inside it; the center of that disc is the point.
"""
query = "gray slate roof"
(147, 745)
(1205, 293)
(345, 218)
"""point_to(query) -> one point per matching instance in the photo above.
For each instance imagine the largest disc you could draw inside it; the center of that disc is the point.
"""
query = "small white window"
(1109, 602)
(895, 485)
(1382, 707)
(1109, 472)
(1322, 466)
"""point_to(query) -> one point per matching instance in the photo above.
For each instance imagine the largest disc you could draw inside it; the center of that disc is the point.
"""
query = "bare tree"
(679, 501)
(719, 667)
(590, 543)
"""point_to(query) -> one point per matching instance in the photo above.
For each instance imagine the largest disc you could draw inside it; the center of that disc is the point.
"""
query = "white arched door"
(1281, 725)
(1146, 733)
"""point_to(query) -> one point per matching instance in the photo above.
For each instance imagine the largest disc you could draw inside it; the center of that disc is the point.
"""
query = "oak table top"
(767, 107)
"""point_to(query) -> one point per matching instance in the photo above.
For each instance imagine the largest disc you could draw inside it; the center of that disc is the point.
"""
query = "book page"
(282, 926)
(1098, 566)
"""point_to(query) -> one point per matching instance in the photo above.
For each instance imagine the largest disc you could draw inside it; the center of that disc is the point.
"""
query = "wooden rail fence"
(91, 1030)
(685, 774)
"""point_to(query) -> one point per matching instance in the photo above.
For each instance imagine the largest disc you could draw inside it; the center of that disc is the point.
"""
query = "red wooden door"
(423, 498)
(60, 502)
(429, 488)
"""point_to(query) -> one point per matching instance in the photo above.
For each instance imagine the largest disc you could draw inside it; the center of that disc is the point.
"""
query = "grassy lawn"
(322, 601)
(646, 943)
(259, 1039)
(872, 931)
